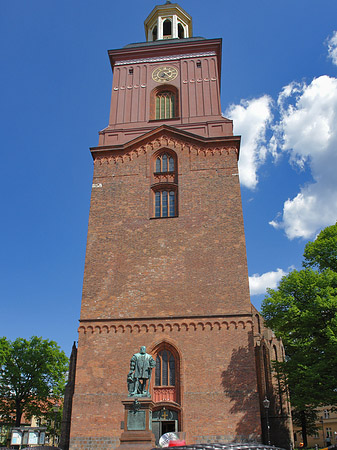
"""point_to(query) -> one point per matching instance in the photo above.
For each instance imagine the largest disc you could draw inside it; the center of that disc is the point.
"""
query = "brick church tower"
(166, 260)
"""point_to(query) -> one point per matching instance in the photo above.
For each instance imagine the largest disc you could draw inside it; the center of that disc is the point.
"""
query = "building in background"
(326, 434)
(166, 260)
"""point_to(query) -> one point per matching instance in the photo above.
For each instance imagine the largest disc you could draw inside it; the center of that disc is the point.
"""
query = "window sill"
(169, 172)
(169, 217)
(164, 120)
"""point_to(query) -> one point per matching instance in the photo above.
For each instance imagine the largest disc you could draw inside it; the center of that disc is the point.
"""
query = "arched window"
(167, 29)
(164, 185)
(154, 33)
(165, 105)
(257, 317)
(266, 367)
(166, 386)
(164, 163)
(278, 378)
(164, 102)
(165, 369)
(181, 32)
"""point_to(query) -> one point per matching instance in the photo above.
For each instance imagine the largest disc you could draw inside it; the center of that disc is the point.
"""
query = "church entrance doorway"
(164, 421)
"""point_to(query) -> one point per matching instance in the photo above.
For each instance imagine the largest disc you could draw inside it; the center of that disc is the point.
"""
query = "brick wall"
(217, 378)
(181, 280)
(194, 264)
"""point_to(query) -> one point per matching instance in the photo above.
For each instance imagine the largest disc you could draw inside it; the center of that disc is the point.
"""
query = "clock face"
(164, 73)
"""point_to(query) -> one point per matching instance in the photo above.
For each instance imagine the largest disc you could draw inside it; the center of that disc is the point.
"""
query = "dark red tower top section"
(190, 69)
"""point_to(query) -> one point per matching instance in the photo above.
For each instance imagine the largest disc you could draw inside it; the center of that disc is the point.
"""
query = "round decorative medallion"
(163, 74)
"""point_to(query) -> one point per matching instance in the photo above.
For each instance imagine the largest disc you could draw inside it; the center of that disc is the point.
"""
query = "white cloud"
(259, 283)
(332, 48)
(251, 119)
(307, 131)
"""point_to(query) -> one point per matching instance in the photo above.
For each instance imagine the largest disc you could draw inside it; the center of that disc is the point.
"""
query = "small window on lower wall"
(165, 203)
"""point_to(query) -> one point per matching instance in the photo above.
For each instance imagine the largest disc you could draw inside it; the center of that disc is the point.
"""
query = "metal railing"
(217, 446)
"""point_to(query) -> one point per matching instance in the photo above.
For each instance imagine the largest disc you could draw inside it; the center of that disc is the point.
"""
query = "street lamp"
(266, 404)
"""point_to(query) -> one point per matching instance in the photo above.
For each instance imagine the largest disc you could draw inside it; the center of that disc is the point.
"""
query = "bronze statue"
(141, 366)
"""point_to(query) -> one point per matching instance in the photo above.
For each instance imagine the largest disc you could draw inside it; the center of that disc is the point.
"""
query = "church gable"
(165, 137)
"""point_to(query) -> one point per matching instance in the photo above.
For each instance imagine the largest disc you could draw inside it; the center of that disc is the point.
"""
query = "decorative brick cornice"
(165, 58)
(165, 141)
(155, 326)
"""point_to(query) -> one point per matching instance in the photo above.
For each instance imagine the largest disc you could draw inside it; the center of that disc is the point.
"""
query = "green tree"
(303, 312)
(322, 252)
(32, 377)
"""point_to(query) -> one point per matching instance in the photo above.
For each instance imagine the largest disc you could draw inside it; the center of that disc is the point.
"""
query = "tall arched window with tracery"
(267, 371)
(164, 185)
(258, 324)
(165, 369)
(166, 383)
(278, 378)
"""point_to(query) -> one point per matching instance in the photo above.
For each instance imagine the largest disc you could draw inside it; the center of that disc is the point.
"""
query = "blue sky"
(279, 84)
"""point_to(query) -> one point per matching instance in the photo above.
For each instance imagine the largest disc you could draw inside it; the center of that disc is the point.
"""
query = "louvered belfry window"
(165, 105)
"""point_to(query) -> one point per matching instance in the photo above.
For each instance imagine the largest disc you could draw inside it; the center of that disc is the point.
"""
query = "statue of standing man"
(141, 366)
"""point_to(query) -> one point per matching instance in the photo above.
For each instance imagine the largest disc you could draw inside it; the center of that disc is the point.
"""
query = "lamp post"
(266, 404)
(55, 409)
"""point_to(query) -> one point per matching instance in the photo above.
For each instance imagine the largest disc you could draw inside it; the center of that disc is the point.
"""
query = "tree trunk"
(304, 428)
(18, 413)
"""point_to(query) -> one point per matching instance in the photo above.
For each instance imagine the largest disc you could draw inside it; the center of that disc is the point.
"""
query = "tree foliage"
(322, 252)
(32, 377)
(303, 312)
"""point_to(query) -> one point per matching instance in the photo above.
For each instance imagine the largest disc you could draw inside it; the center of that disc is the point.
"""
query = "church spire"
(168, 21)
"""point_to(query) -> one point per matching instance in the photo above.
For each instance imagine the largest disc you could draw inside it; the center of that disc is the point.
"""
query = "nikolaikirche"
(166, 261)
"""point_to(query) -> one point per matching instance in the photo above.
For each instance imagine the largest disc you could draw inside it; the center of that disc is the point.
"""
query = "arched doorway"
(164, 420)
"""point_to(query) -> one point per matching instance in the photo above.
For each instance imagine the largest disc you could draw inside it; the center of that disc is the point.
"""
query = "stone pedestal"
(137, 433)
